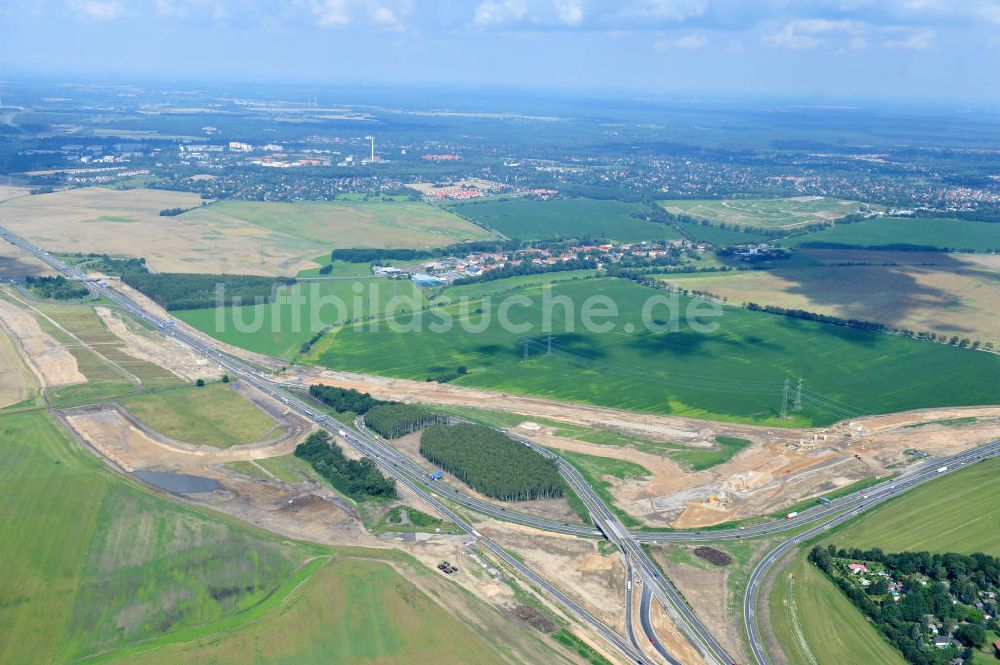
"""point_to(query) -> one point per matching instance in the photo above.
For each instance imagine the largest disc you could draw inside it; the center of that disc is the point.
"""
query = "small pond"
(181, 483)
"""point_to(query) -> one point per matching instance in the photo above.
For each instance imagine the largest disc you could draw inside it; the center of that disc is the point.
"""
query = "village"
(449, 269)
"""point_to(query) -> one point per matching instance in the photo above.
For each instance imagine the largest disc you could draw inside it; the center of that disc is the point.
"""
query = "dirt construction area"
(51, 362)
(14, 384)
(304, 510)
(163, 351)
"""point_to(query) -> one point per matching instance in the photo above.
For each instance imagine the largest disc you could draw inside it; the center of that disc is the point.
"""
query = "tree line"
(952, 588)
(873, 326)
(177, 291)
(56, 288)
(358, 479)
(375, 255)
(491, 463)
(345, 399)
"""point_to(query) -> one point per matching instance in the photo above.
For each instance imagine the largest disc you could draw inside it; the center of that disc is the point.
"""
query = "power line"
(784, 399)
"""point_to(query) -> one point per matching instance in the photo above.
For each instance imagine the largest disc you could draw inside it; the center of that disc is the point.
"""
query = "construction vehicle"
(446, 568)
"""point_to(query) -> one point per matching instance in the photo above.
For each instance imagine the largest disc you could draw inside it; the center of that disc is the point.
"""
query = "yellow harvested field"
(12, 191)
(15, 262)
(128, 223)
(341, 224)
(15, 386)
(236, 237)
(51, 362)
(948, 294)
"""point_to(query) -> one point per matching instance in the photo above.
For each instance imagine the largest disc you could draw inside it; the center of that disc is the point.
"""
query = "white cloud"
(688, 42)
(344, 13)
(569, 12)
(496, 12)
(673, 10)
(98, 10)
(387, 17)
(915, 41)
(333, 13)
(813, 33)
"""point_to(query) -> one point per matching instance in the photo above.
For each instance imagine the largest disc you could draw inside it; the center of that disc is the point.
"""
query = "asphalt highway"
(653, 581)
(607, 524)
(387, 458)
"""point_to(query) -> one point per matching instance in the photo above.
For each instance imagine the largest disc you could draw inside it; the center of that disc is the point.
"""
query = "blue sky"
(815, 48)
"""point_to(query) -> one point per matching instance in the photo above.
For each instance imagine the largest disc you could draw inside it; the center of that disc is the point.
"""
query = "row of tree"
(813, 316)
(345, 399)
(491, 463)
(358, 479)
(57, 288)
(175, 291)
(861, 324)
(375, 255)
(395, 420)
(110, 265)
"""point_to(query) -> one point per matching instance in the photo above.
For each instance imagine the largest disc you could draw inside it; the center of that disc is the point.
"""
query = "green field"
(888, 232)
(93, 562)
(698, 459)
(213, 415)
(785, 213)
(98, 568)
(956, 513)
(529, 219)
(303, 309)
(351, 611)
(717, 236)
(734, 373)
(817, 625)
(341, 224)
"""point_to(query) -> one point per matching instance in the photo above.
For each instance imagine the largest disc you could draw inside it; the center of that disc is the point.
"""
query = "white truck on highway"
(942, 469)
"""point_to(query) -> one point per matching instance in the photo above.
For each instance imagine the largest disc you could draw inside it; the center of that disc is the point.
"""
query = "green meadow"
(765, 213)
(916, 521)
(530, 219)
(734, 373)
(955, 513)
(93, 563)
(303, 309)
(889, 232)
(213, 415)
(97, 568)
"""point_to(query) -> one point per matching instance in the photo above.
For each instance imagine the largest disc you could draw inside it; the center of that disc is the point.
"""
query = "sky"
(828, 49)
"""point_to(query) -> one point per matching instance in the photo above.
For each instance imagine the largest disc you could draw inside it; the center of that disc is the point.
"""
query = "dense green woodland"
(57, 288)
(176, 290)
(954, 592)
(394, 420)
(345, 399)
(358, 479)
(491, 463)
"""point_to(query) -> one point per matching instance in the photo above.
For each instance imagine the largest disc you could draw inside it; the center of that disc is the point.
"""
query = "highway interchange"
(639, 566)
